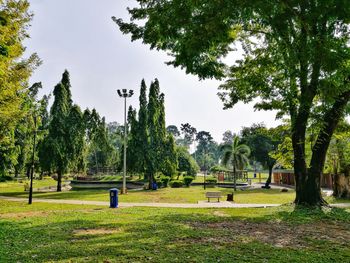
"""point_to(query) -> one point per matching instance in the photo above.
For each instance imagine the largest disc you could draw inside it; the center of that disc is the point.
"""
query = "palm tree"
(237, 155)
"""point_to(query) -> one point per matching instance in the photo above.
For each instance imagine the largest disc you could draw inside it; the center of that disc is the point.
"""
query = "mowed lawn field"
(71, 233)
(191, 194)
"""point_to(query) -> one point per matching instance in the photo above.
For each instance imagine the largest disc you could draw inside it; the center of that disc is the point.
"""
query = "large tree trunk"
(308, 181)
(59, 181)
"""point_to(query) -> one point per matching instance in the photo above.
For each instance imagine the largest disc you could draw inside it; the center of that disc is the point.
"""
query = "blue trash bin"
(154, 186)
(113, 198)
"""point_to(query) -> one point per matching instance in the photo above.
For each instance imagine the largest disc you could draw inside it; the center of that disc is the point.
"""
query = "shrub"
(176, 184)
(188, 180)
(159, 182)
(165, 180)
(5, 178)
(211, 180)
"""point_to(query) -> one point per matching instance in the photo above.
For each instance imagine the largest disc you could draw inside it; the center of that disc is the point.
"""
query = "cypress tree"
(153, 153)
(65, 141)
(76, 147)
(58, 134)
(133, 147)
(142, 130)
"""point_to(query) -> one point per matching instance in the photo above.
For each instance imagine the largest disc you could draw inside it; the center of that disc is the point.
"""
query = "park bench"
(217, 195)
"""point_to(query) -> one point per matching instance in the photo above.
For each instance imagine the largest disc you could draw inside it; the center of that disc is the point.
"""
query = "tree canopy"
(295, 60)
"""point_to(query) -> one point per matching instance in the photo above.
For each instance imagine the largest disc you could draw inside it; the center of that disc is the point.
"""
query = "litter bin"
(113, 198)
(154, 186)
(229, 197)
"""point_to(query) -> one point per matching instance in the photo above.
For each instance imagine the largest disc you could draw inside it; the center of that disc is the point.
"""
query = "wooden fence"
(287, 178)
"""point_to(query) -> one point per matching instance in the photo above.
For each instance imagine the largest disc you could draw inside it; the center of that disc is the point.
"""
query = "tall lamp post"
(33, 160)
(124, 93)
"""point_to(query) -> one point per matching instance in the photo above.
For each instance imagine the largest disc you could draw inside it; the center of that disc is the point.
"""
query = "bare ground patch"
(21, 215)
(278, 234)
(95, 231)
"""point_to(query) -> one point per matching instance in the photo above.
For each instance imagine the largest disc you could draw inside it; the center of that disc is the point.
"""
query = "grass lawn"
(71, 233)
(192, 194)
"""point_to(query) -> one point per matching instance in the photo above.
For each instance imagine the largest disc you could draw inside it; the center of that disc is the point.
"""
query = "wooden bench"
(217, 195)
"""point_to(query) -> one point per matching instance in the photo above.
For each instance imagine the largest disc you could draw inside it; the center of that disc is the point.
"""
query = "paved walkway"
(200, 204)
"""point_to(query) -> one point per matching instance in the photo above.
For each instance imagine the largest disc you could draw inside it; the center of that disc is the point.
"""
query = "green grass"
(192, 194)
(69, 233)
(18, 186)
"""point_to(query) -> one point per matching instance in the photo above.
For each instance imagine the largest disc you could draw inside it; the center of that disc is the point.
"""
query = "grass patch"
(53, 233)
(192, 194)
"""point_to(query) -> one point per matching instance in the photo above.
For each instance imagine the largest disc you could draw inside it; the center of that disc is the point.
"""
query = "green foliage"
(189, 133)
(188, 180)
(176, 183)
(218, 168)
(173, 130)
(66, 134)
(165, 180)
(296, 61)
(211, 180)
(14, 74)
(151, 149)
(237, 155)
(186, 162)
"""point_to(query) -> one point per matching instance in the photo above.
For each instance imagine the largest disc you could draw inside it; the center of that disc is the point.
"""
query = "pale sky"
(79, 35)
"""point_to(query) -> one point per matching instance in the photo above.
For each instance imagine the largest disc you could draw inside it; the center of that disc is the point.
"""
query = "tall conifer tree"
(58, 134)
(143, 128)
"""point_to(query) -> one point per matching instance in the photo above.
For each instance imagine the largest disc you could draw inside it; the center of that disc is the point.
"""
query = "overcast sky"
(79, 35)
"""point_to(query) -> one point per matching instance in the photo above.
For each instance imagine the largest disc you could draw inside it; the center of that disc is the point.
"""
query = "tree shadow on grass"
(163, 235)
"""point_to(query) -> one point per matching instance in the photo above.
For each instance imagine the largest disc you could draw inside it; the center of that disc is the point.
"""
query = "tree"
(227, 137)
(296, 61)
(261, 142)
(76, 147)
(57, 139)
(186, 163)
(170, 157)
(237, 155)
(143, 134)
(205, 154)
(156, 139)
(14, 74)
(36, 111)
(133, 146)
(173, 130)
(189, 133)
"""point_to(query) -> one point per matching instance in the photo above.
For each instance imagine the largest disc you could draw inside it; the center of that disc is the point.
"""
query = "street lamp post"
(124, 93)
(33, 160)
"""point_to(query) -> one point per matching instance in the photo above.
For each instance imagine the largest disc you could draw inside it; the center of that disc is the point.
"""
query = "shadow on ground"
(176, 235)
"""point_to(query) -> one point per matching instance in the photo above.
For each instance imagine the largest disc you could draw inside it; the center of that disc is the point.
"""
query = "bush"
(188, 180)
(5, 178)
(211, 180)
(159, 182)
(176, 184)
(165, 180)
